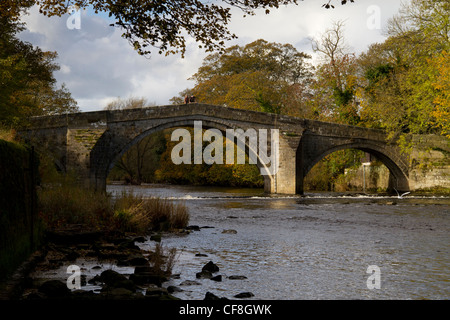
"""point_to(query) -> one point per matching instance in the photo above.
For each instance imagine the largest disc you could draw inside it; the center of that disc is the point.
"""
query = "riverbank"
(100, 260)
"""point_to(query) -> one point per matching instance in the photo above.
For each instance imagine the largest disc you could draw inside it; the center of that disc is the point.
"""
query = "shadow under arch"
(398, 179)
(114, 143)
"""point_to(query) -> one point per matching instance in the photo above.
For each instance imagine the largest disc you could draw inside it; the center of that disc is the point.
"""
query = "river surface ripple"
(317, 246)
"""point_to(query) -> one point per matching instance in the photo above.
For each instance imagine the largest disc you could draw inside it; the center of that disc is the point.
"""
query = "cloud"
(98, 65)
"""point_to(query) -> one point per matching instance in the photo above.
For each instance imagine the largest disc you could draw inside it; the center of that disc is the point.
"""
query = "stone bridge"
(90, 143)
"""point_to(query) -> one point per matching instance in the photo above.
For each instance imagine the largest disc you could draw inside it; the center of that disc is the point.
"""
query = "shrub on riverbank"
(65, 204)
(140, 214)
(143, 214)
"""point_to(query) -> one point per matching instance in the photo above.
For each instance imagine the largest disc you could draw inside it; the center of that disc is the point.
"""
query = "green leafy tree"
(163, 24)
(441, 112)
(398, 92)
(334, 79)
(27, 85)
(242, 175)
(259, 76)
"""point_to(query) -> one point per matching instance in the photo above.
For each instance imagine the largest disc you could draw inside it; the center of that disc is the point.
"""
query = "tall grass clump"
(163, 260)
(138, 214)
(65, 204)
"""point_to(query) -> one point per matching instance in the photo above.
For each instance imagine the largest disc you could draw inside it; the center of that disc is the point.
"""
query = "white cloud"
(98, 65)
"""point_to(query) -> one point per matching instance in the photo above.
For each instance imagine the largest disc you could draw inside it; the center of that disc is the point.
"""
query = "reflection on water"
(316, 246)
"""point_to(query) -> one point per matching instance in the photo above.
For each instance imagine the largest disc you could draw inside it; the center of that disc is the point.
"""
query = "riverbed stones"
(54, 289)
(217, 278)
(113, 279)
(190, 283)
(237, 277)
(212, 296)
(229, 231)
(172, 289)
(133, 260)
(201, 255)
(144, 275)
(211, 267)
(204, 274)
(243, 295)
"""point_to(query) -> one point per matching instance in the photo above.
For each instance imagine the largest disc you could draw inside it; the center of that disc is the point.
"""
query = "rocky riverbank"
(108, 267)
(97, 260)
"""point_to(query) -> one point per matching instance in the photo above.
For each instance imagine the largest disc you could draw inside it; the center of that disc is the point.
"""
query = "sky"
(98, 66)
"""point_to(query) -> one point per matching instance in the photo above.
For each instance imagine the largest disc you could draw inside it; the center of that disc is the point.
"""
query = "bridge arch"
(398, 170)
(113, 144)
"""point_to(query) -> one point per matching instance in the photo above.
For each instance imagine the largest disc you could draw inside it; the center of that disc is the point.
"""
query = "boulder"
(172, 289)
(147, 275)
(211, 267)
(217, 278)
(244, 295)
(204, 274)
(229, 231)
(201, 255)
(190, 283)
(148, 278)
(134, 260)
(54, 289)
(155, 293)
(114, 279)
(234, 277)
(212, 296)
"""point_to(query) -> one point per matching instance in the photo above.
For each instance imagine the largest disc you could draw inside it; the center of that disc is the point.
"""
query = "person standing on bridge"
(186, 99)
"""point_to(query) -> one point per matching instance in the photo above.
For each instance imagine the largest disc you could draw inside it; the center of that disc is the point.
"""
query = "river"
(316, 246)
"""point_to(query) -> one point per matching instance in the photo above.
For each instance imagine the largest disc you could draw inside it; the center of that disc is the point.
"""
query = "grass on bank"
(64, 204)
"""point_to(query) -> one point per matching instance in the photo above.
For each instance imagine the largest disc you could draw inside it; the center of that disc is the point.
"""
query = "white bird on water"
(400, 196)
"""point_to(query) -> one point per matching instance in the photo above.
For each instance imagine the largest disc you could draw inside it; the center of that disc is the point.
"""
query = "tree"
(334, 81)
(164, 24)
(27, 84)
(129, 103)
(243, 175)
(258, 76)
(441, 84)
(401, 76)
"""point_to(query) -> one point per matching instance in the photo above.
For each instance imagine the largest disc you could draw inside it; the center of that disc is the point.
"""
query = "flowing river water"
(316, 246)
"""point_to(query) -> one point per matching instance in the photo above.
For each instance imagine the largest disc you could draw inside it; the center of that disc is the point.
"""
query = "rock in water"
(237, 277)
(114, 279)
(217, 278)
(244, 295)
(211, 267)
(54, 289)
(204, 274)
(229, 231)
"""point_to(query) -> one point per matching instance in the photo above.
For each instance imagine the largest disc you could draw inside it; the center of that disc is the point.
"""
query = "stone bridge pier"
(90, 143)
